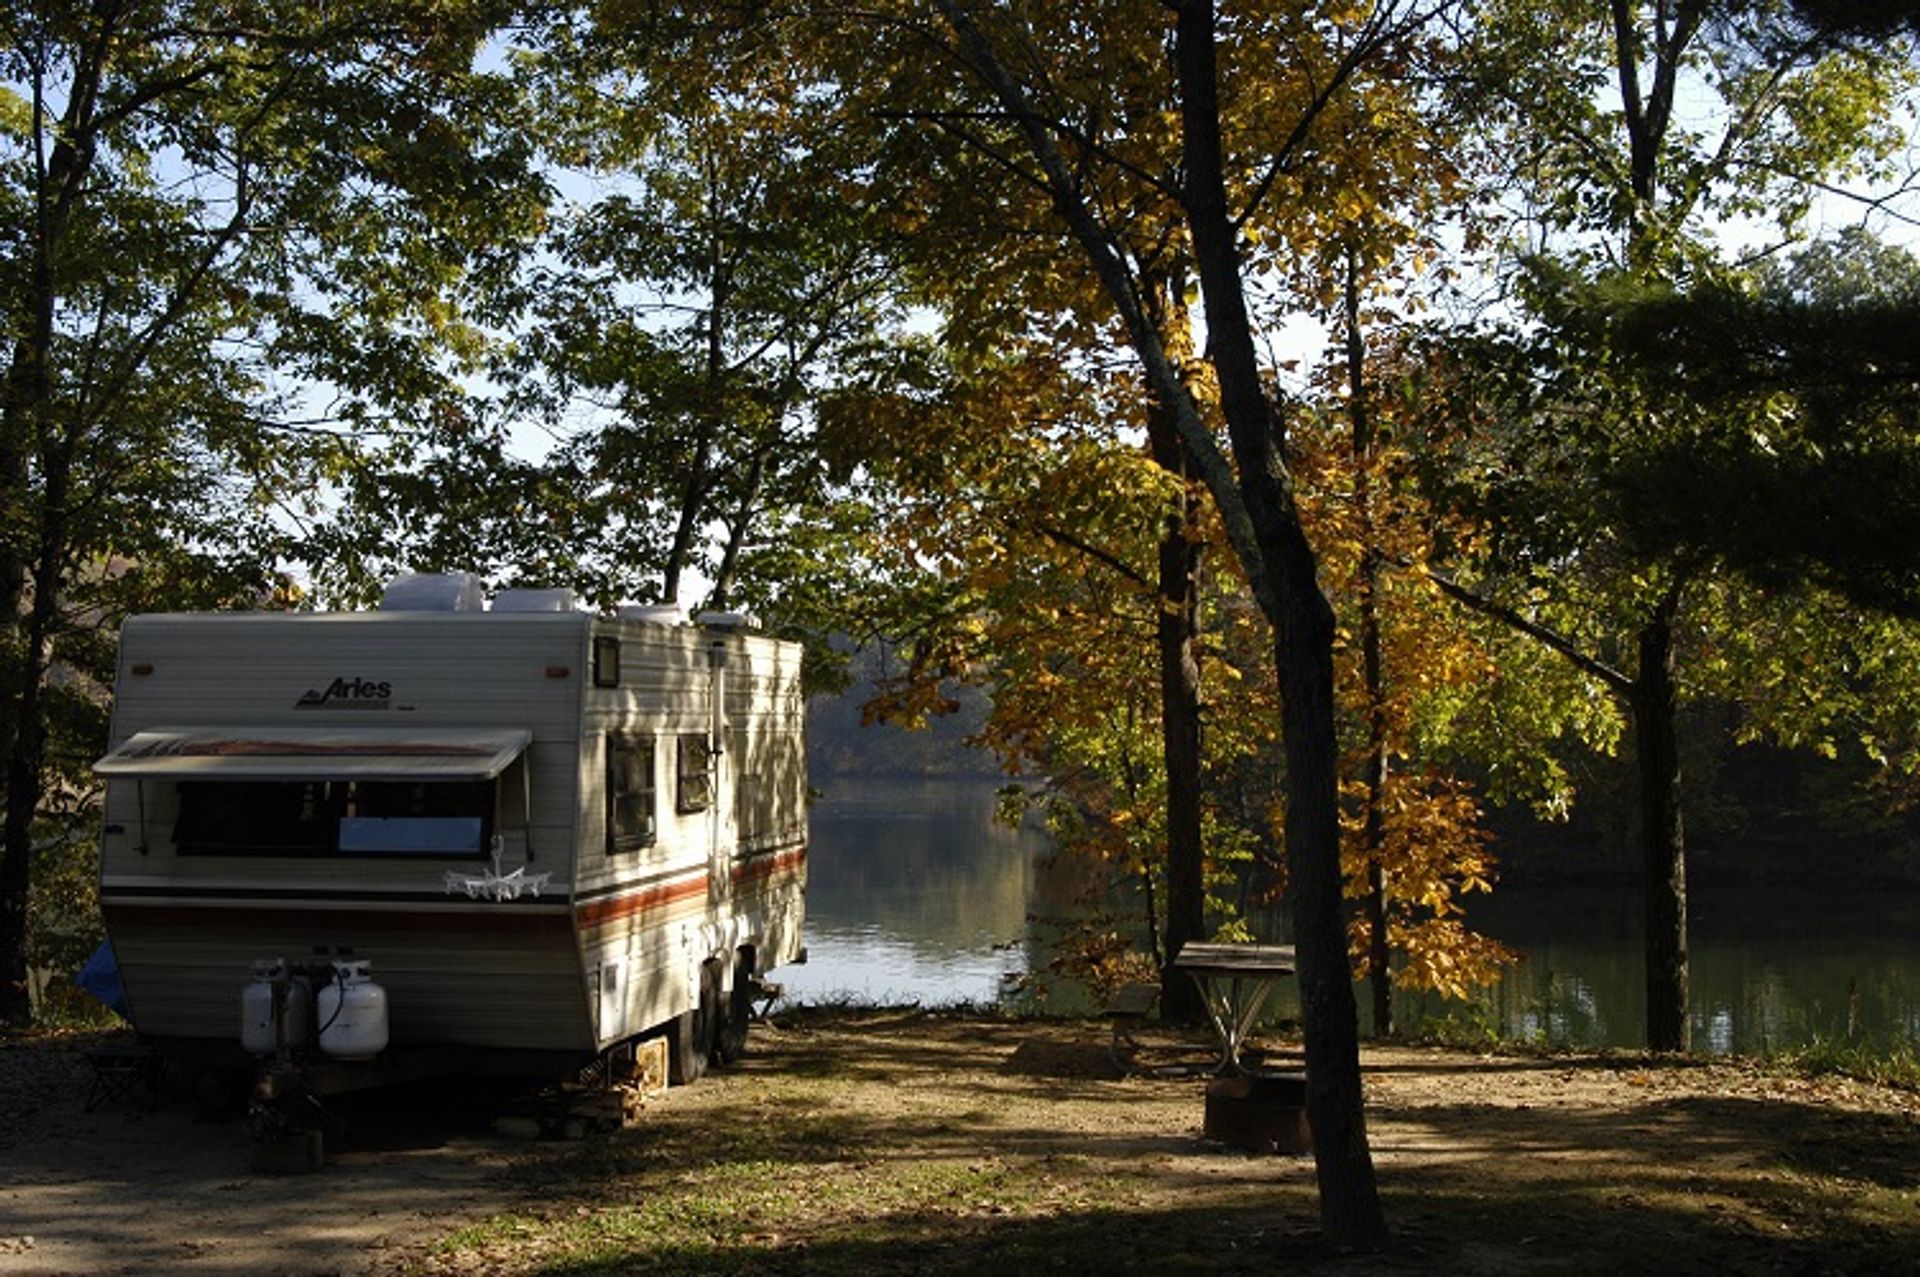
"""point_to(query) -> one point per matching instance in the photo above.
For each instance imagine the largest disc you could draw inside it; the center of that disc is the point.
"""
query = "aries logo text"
(348, 693)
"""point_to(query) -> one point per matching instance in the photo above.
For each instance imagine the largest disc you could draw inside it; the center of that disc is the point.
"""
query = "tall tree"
(1626, 167)
(737, 271)
(1415, 846)
(1379, 204)
(1253, 489)
(201, 194)
(714, 269)
(984, 252)
(1803, 486)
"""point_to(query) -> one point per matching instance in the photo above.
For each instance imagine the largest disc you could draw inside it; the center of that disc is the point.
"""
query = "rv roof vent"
(727, 620)
(433, 592)
(654, 613)
(528, 599)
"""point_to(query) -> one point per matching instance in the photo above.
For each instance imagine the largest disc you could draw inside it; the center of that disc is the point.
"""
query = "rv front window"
(417, 818)
(328, 817)
(630, 792)
(258, 818)
(695, 774)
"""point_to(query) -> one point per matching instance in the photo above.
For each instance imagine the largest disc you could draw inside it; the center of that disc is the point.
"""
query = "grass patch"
(738, 1216)
(1895, 1066)
(906, 1142)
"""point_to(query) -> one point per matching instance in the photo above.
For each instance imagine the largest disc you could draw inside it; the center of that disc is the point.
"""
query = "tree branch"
(1379, 29)
(1111, 268)
(1068, 539)
(1616, 682)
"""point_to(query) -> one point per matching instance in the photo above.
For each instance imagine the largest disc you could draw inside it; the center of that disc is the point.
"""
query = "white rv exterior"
(548, 832)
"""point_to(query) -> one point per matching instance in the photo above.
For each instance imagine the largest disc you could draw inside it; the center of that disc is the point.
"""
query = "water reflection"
(1771, 968)
(917, 894)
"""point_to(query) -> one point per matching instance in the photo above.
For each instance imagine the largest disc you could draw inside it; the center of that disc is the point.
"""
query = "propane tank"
(257, 1030)
(352, 1011)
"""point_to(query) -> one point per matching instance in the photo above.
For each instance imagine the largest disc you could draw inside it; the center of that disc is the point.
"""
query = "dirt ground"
(125, 1190)
(934, 1143)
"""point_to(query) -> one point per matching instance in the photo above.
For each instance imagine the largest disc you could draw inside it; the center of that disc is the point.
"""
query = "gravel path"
(124, 1190)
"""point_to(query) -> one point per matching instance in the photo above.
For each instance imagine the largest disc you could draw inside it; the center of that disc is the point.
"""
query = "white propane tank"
(256, 1008)
(352, 1011)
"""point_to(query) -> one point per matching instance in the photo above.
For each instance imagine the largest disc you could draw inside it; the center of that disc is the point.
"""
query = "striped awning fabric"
(295, 753)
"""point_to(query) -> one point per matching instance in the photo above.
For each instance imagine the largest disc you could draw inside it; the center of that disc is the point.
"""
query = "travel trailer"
(440, 838)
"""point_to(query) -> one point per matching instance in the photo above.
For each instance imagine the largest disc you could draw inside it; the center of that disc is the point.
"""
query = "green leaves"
(1653, 448)
(718, 279)
(234, 237)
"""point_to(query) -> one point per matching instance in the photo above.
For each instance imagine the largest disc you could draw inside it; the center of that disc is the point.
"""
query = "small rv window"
(630, 792)
(606, 661)
(695, 774)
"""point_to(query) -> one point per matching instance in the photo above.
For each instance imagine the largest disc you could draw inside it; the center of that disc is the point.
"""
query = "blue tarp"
(101, 977)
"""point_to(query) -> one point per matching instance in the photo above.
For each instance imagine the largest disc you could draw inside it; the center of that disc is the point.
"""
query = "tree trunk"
(1180, 741)
(16, 1002)
(26, 757)
(1257, 510)
(25, 786)
(1374, 830)
(1177, 626)
(1379, 953)
(721, 597)
(1379, 734)
(1647, 111)
(24, 418)
(1349, 1198)
(1663, 840)
(1303, 657)
(696, 490)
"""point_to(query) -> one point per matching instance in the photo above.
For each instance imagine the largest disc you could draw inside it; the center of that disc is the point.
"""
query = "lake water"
(917, 895)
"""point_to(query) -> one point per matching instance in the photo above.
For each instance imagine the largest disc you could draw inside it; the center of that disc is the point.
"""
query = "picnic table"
(1234, 981)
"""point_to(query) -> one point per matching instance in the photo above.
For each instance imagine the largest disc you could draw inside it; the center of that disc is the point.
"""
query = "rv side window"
(695, 775)
(606, 661)
(630, 792)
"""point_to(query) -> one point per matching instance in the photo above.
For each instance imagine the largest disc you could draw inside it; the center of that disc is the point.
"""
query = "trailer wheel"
(691, 1041)
(731, 1041)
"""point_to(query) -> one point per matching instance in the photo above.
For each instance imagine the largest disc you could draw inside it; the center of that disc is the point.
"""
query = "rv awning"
(316, 753)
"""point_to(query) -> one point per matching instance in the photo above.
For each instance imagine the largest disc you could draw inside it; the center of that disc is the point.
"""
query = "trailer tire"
(730, 1043)
(691, 1041)
(685, 1062)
